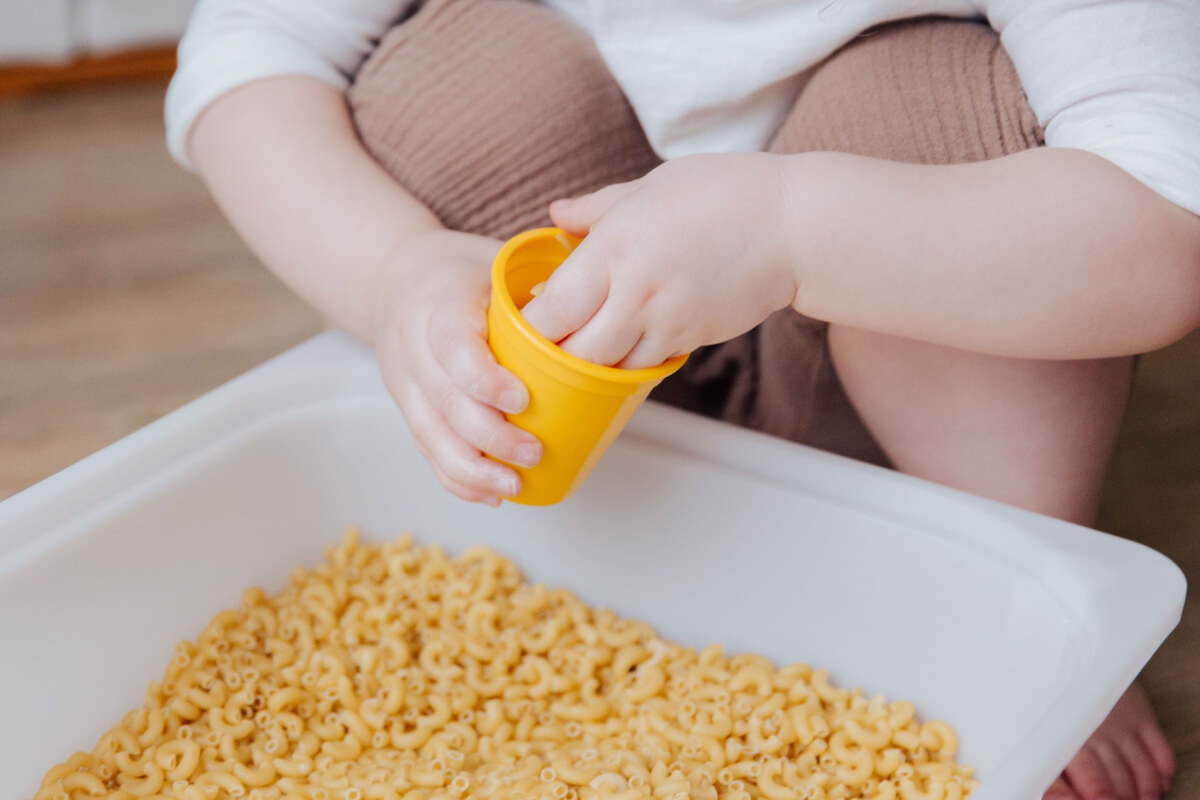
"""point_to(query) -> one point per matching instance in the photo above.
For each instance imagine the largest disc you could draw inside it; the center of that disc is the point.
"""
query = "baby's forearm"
(1044, 254)
(284, 163)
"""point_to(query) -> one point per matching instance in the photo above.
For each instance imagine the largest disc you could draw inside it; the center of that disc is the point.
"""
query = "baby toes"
(1155, 742)
(1060, 790)
(1146, 776)
(1089, 777)
(1118, 771)
(1127, 758)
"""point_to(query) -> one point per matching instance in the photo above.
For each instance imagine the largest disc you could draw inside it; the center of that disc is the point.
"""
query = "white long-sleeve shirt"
(1119, 78)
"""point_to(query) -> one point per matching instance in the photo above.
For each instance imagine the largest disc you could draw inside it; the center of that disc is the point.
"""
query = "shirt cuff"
(226, 62)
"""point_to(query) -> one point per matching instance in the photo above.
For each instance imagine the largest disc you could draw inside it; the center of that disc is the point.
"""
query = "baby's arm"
(1053, 253)
(281, 158)
(1062, 252)
(1089, 247)
(257, 107)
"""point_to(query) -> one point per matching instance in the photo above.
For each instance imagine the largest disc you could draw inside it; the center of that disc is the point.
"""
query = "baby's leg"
(1036, 434)
(487, 110)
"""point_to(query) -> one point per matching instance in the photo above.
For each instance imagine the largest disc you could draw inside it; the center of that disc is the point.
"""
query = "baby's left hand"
(689, 255)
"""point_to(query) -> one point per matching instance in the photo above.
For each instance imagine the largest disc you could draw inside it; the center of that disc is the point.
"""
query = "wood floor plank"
(123, 293)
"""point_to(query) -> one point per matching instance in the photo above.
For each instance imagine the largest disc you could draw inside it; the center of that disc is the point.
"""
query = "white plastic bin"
(1020, 630)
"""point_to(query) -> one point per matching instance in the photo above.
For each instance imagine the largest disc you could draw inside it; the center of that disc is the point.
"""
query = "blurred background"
(124, 294)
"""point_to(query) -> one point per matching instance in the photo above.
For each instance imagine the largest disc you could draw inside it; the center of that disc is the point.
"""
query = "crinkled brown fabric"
(489, 109)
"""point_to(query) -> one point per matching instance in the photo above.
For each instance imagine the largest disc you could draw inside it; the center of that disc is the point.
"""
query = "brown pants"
(487, 110)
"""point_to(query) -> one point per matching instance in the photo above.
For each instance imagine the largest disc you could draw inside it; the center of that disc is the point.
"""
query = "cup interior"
(525, 261)
(533, 261)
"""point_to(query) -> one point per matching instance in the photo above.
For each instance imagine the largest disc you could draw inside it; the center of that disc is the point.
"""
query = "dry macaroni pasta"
(395, 671)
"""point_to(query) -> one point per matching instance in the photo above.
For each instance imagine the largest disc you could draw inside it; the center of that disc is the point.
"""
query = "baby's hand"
(691, 254)
(431, 329)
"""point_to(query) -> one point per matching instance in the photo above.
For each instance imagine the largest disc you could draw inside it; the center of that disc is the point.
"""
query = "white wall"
(36, 30)
(54, 30)
(106, 25)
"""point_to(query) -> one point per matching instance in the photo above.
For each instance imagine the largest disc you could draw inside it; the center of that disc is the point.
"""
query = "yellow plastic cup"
(576, 408)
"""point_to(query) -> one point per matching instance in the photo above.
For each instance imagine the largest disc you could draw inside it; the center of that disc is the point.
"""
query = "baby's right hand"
(430, 338)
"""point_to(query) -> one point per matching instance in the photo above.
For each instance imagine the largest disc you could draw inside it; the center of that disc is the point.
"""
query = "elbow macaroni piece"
(396, 672)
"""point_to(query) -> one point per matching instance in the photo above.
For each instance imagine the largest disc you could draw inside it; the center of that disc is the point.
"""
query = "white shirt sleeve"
(1120, 79)
(229, 43)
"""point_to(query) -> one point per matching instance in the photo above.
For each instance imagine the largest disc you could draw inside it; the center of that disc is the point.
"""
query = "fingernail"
(527, 454)
(512, 401)
(510, 485)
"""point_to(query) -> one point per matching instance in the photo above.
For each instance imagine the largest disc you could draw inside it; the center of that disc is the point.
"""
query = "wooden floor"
(123, 295)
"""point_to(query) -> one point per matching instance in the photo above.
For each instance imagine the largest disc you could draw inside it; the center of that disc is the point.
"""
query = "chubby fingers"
(579, 287)
(451, 428)
(581, 307)
(460, 468)
(572, 295)
(462, 352)
(577, 215)
(650, 351)
(590, 316)
(619, 336)
(471, 389)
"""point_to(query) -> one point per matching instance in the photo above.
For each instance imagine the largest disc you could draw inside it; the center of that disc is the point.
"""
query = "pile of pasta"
(396, 672)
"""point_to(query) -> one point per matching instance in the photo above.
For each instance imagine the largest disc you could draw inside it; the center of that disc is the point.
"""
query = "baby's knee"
(930, 91)
(487, 110)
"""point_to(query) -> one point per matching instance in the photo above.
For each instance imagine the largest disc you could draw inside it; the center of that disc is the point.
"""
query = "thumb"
(579, 214)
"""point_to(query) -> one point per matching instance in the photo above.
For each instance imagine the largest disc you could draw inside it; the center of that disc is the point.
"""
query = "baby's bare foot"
(1127, 758)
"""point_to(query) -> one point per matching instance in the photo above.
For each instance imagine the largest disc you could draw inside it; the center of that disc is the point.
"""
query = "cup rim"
(550, 349)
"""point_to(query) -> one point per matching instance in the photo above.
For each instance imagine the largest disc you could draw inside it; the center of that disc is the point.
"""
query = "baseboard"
(147, 63)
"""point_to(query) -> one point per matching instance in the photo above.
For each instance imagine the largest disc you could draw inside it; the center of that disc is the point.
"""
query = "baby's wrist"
(386, 276)
(803, 218)
(834, 215)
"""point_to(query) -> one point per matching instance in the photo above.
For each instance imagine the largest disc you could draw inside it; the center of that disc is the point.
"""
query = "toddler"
(924, 233)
